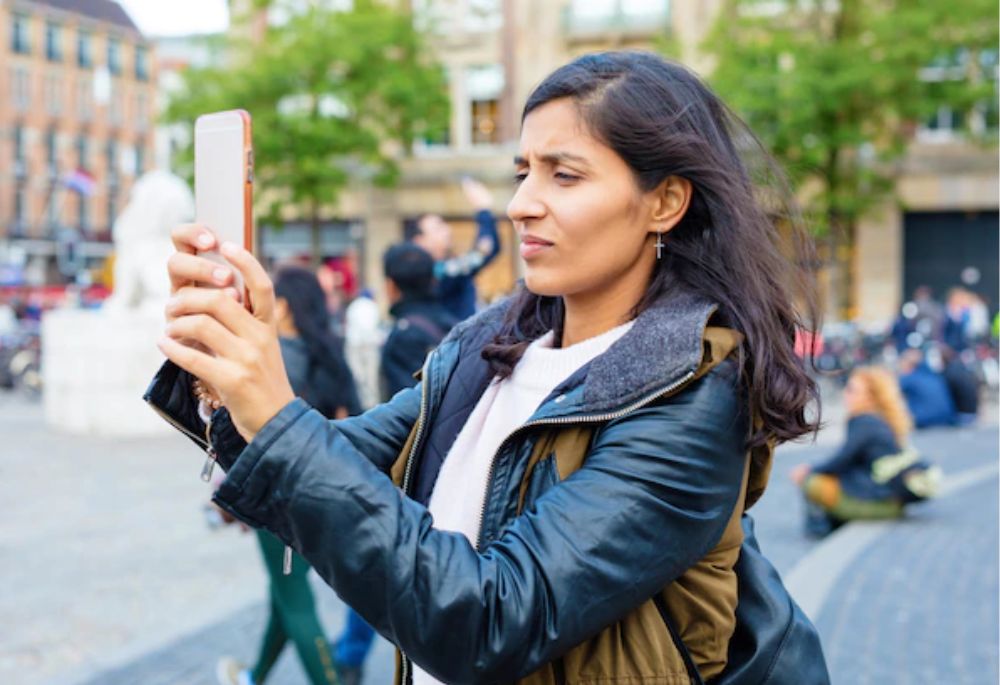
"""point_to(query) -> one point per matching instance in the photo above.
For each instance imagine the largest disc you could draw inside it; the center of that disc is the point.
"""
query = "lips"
(534, 240)
(532, 246)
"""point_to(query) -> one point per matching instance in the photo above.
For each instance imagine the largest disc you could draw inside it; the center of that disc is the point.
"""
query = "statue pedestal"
(96, 366)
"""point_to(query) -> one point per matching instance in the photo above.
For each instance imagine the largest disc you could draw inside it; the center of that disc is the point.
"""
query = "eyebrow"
(553, 158)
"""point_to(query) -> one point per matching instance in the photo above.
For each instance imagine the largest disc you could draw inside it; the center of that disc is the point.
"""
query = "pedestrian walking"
(319, 375)
(562, 498)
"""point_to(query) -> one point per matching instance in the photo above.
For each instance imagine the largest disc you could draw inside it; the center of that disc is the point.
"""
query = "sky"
(177, 17)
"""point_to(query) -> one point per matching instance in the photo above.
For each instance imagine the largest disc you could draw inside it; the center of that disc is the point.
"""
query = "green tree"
(334, 95)
(836, 88)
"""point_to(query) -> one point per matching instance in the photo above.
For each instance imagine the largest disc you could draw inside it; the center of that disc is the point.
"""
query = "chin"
(544, 285)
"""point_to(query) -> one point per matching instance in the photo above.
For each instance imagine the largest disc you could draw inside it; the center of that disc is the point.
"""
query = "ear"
(669, 201)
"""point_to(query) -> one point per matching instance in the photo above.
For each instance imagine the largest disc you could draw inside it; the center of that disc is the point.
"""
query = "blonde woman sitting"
(874, 474)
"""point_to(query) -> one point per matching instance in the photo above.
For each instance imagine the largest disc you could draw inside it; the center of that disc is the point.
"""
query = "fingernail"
(205, 240)
(229, 248)
(220, 275)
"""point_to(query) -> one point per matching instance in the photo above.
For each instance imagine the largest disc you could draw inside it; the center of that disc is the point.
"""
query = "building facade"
(496, 51)
(77, 118)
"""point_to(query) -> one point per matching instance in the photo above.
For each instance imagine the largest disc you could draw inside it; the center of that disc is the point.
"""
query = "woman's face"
(583, 223)
(857, 397)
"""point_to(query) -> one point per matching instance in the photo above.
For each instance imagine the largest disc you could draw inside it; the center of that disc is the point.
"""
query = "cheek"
(597, 243)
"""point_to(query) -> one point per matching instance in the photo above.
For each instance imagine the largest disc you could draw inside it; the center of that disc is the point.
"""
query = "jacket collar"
(664, 345)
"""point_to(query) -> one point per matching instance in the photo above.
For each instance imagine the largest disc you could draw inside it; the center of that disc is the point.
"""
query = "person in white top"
(562, 497)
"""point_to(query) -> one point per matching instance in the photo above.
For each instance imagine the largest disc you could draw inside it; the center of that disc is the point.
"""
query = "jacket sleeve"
(850, 453)
(472, 262)
(378, 435)
(653, 497)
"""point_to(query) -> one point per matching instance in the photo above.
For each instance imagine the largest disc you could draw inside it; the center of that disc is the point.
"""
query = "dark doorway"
(939, 248)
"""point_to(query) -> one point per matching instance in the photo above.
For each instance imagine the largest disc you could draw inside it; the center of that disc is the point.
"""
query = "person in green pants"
(319, 374)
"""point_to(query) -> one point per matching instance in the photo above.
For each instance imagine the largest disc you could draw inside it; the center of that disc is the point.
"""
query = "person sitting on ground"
(455, 273)
(926, 392)
(845, 486)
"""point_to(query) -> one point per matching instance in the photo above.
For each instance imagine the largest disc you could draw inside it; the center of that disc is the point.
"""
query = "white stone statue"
(159, 202)
(96, 364)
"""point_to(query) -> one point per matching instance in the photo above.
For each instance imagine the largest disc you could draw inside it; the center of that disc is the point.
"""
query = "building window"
(20, 83)
(85, 99)
(84, 50)
(115, 107)
(141, 115)
(20, 163)
(140, 157)
(141, 63)
(114, 56)
(82, 212)
(20, 34)
(51, 152)
(112, 206)
(20, 208)
(53, 94)
(81, 152)
(485, 119)
(18, 143)
(484, 86)
(110, 157)
(53, 42)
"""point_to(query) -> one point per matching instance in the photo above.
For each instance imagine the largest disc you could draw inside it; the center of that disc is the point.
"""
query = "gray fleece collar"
(661, 348)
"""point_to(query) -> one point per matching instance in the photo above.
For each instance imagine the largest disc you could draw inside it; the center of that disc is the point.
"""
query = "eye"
(519, 177)
(566, 178)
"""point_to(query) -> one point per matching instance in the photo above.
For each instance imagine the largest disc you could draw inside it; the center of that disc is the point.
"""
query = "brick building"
(77, 114)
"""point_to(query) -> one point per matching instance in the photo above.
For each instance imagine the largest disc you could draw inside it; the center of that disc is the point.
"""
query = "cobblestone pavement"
(918, 606)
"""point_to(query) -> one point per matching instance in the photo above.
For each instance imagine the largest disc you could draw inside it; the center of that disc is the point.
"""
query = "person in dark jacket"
(420, 319)
(420, 323)
(562, 497)
(845, 486)
(455, 274)
(926, 392)
(963, 386)
(319, 375)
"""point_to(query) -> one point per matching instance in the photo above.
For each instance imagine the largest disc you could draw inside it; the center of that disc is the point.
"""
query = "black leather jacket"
(667, 456)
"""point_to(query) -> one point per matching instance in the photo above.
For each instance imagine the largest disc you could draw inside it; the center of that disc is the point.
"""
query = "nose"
(526, 203)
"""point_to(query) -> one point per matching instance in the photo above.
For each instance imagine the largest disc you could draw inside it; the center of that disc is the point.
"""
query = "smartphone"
(223, 181)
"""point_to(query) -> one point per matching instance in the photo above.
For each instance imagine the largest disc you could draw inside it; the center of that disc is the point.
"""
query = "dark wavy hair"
(741, 242)
(330, 382)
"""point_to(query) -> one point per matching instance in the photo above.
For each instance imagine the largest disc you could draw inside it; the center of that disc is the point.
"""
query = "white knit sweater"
(460, 490)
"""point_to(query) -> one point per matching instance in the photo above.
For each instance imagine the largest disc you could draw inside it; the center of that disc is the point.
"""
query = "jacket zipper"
(405, 670)
(595, 418)
(210, 461)
(169, 419)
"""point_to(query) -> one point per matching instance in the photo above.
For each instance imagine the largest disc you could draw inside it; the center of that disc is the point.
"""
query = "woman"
(576, 459)
(317, 373)
(854, 483)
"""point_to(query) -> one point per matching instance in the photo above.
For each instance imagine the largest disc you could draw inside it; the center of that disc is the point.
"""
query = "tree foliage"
(837, 88)
(333, 93)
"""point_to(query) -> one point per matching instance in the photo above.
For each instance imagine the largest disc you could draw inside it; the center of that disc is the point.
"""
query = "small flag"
(80, 181)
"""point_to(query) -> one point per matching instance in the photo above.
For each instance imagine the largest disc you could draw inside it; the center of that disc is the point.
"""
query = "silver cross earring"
(659, 245)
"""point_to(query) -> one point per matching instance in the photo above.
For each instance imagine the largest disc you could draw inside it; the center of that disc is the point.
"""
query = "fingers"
(186, 268)
(258, 283)
(222, 305)
(192, 238)
(196, 362)
(205, 330)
